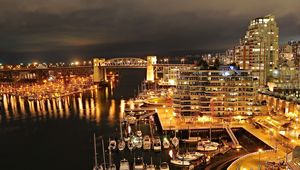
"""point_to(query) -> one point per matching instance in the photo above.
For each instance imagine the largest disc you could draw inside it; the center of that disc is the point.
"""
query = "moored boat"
(164, 166)
(179, 162)
(146, 142)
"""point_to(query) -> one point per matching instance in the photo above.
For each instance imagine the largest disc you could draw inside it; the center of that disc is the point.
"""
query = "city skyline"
(42, 31)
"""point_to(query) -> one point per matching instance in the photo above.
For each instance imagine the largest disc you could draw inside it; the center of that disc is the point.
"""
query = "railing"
(232, 136)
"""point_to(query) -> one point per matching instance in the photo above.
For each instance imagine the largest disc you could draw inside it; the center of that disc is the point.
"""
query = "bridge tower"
(151, 60)
(99, 71)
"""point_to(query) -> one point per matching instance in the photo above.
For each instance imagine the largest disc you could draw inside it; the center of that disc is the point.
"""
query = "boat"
(96, 166)
(208, 142)
(151, 166)
(112, 167)
(189, 156)
(207, 146)
(166, 143)
(124, 165)
(179, 162)
(139, 133)
(146, 142)
(121, 145)
(131, 119)
(175, 141)
(192, 139)
(138, 164)
(156, 144)
(112, 144)
(139, 143)
(164, 166)
(130, 145)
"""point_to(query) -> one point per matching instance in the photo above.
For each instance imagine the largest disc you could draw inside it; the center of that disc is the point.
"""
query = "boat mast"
(95, 150)
(121, 130)
(103, 152)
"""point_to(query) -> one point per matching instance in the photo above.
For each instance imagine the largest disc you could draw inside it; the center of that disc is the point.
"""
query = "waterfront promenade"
(280, 145)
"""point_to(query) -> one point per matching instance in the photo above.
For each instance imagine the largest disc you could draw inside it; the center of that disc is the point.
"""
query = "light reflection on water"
(88, 105)
(61, 130)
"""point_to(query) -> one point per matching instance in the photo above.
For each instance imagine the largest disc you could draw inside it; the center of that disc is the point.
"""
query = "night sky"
(54, 30)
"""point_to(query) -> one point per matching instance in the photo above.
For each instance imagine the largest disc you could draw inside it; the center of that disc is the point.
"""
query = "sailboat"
(96, 166)
(122, 144)
(112, 144)
(111, 166)
(130, 145)
(124, 164)
(166, 143)
(151, 166)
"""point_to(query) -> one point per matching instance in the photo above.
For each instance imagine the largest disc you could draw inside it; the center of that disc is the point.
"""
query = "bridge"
(101, 64)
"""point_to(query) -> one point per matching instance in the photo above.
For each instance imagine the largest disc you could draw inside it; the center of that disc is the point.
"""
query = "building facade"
(223, 92)
(258, 49)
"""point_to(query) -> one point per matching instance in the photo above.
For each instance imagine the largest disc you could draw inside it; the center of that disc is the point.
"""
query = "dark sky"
(46, 30)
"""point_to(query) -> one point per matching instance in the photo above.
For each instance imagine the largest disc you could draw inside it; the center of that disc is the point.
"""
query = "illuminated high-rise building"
(258, 49)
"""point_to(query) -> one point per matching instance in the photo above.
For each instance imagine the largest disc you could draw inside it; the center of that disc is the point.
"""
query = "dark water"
(57, 135)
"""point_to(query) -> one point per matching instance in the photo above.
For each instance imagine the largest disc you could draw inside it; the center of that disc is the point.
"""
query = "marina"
(140, 131)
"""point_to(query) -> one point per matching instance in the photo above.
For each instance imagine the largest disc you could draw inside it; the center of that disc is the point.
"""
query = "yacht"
(175, 141)
(179, 162)
(166, 143)
(192, 139)
(146, 143)
(112, 167)
(112, 144)
(139, 133)
(130, 145)
(139, 143)
(164, 166)
(156, 144)
(138, 164)
(121, 145)
(124, 165)
(189, 156)
(207, 146)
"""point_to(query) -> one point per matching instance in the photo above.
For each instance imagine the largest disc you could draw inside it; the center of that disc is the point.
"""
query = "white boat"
(121, 145)
(130, 145)
(208, 142)
(189, 156)
(164, 166)
(139, 143)
(112, 144)
(139, 133)
(166, 143)
(156, 144)
(206, 146)
(112, 167)
(175, 141)
(138, 164)
(192, 139)
(126, 139)
(178, 162)
(146, 142)
(124, 165)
